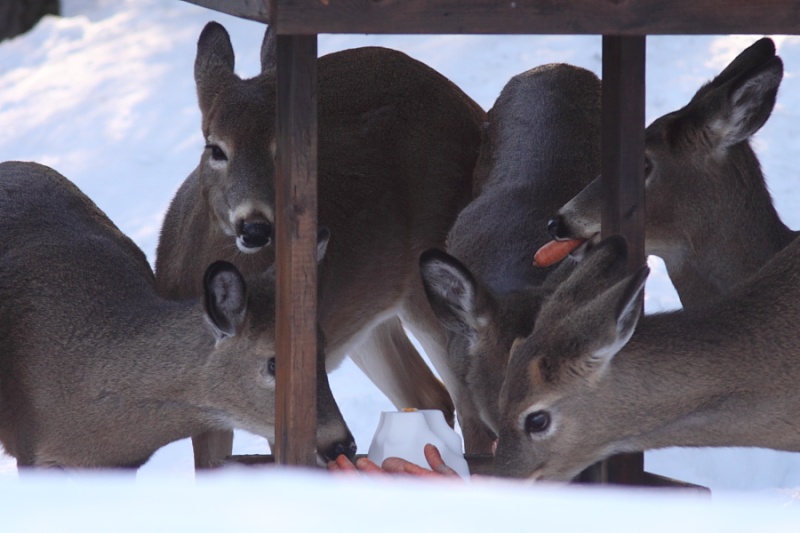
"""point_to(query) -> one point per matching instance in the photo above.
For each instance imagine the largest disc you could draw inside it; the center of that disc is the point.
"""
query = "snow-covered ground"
(105, 95)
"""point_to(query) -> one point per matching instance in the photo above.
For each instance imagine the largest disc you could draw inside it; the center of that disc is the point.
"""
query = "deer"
(97, 370)
(541, 147)
(397, 144)
(584, 386)
(701, 173)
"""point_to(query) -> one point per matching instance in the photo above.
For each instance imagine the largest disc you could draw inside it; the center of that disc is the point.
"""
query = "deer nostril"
(346, 447)
(255, 234)
(554, 226)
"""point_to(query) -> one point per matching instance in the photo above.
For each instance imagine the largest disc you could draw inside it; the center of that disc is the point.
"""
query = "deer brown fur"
(584, 386)
(96, 368)
(709, 214)
(542, 146)
(397, 143)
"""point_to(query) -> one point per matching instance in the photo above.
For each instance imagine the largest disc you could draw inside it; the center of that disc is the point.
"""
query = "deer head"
(237, 167)
(700, 171)
(552, 427)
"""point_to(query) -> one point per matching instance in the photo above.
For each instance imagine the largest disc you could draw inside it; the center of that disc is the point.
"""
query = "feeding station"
(624, 25)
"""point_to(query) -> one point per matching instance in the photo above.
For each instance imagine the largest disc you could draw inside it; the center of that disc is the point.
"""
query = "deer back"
(98, 370)
(585, 386)
(541, 147)
(703, 178)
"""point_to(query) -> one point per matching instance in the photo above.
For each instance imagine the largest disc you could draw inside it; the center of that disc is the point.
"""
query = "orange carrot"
(554, 251)
(396, 465)
(341, 464)
(437, 463)
(367, 466)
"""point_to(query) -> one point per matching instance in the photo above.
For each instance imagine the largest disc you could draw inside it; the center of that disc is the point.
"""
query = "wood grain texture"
(248, 9)
(622, 134)
(622, 166)
(296, 263)
(610, 17)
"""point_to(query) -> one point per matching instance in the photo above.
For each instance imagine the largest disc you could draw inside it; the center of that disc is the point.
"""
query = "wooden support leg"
(623, 142)
(623, 190)
(296, 264)
(212, 448)
(623, 203)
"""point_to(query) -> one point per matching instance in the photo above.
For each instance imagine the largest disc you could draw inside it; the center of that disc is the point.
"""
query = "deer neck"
(697, 379)
(707, 264)
(175, 378)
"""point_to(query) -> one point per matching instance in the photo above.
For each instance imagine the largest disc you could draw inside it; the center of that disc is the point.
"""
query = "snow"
(105, 95)
(314, 502)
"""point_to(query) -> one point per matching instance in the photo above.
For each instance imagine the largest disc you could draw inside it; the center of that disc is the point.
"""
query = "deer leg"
(392, 362)
(212, 448)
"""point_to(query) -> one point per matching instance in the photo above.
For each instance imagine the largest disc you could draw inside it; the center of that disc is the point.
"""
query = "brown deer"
(397, 146)
(542, 146)
(702, 174)
(96, 368)
(584, 386)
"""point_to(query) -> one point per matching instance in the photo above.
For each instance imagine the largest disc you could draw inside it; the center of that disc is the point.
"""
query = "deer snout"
(251, 236)
(346, 447)
(556, 227)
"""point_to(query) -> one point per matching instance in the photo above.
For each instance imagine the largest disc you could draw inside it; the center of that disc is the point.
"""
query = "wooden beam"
(296, 263)
(248, 9)
(623, 142)
(610, 17)
(623, 182)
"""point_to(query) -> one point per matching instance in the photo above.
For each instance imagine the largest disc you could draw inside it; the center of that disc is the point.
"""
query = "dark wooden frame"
(623, 25)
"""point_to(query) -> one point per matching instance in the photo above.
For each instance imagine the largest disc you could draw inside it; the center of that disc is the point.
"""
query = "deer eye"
(217, 154)
(268, 370)
(537, 422)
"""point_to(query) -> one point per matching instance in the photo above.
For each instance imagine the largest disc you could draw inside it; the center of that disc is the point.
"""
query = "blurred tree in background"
(18, 16)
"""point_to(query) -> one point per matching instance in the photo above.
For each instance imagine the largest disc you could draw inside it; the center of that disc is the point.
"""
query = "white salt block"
(404, 434)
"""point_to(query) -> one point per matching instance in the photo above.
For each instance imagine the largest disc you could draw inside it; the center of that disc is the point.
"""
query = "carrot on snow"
(365, 465)
(341, 464)
(434, 459)
(554, 251)
(396, 465)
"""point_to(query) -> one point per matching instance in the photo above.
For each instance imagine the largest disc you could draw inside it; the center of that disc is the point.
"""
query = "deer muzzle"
(252, 236)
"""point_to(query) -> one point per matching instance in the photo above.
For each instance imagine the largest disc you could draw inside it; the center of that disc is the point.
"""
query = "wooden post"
(296, 264)
(623, 142)
(623, 189)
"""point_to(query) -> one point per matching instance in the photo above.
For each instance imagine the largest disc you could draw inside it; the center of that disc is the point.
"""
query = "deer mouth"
(555, 251)
(585, 245)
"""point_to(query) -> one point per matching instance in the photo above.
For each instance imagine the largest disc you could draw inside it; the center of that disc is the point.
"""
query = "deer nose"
(554, 226)
(255, 234)
(345, 447)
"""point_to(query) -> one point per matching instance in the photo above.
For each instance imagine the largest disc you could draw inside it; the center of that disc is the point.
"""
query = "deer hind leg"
(391, 361)
(212, 448)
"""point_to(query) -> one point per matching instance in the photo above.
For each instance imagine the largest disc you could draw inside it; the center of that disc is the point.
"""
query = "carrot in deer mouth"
(554, 251)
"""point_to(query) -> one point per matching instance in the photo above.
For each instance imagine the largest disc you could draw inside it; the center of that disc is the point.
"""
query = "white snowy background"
(105, 95)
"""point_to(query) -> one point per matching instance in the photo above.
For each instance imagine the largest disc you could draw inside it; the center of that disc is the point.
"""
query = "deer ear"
(323, 236)
(625, 301)
(751, 57)
(459, 301)
(269, 51)
(602, 265)
(225, 299)
(214, 64)
(631, 302)
(747, 103)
